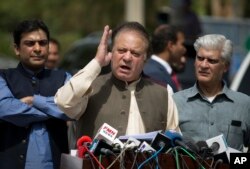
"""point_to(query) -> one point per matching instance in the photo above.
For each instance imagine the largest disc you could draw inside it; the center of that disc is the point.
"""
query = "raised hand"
(102, 54)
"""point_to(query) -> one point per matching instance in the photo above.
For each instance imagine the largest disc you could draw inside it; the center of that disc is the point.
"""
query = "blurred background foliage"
(67, 20)
(71, 20)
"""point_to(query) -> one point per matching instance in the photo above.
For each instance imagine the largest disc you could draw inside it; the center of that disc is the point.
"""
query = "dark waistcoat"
(14, 139)
(110, 103)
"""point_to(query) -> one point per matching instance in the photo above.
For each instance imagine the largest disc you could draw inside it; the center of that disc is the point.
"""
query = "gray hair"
(216, 42)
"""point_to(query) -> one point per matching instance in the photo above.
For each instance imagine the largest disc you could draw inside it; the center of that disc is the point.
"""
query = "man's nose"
(37, 46)
(127, 56)
(204, 63)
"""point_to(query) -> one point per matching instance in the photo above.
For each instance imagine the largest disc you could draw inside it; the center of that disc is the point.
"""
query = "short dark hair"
(133, 26)
(162, 35)
(28, 26)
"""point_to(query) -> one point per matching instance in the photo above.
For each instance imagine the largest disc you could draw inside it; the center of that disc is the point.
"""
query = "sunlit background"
(72, 20)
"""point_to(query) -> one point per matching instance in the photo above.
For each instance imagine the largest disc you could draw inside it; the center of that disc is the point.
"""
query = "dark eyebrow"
(210, 60)
(42, 42)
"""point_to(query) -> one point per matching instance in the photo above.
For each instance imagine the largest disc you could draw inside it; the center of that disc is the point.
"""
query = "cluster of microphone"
(106, 143)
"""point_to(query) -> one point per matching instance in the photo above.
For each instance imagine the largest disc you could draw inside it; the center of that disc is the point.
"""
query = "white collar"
(132, 85)
(163, 63)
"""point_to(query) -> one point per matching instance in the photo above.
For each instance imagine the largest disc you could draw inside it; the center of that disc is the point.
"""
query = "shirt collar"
(124, 85)
(194, 92)
(133, 85)
(163, 63)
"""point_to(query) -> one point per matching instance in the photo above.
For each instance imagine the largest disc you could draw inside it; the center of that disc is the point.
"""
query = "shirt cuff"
(39, 101)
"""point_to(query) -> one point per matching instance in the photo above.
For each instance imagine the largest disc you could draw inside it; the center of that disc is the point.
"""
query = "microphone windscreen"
(203, 149)
(80, 148)
(202, 145)
(173, 136)
(83, 139)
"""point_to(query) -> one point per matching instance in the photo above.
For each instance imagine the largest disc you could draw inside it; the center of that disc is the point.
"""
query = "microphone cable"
(199, 158)
(220, 161)
(93, 156)
(117, 158)
(203, 160)
(153, 156)
(120, 155)
(183, 162)
(157, 162)
(100, 159)
(177, 159)
(134, 161)
(92, 163)
(212, 162)
(122, 159)
(146, 156)
(193, 157)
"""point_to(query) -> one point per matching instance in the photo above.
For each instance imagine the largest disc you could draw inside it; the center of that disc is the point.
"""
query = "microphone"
(217, 144)
(117, 145)
(145, 147)
(203, 149)
(148, 137)
(132, 143)
(103, 140)
(215, 147)
(219, 148)
(161, 142)
(81, 143)
(107, 133)
(190, 143)
(177, 140)
(101, 147)
(202, 145)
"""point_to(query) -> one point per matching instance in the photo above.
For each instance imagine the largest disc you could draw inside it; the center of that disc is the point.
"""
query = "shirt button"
(123, 112)
(21, 156)
(212, 123)
(23, 141)
(124, 96)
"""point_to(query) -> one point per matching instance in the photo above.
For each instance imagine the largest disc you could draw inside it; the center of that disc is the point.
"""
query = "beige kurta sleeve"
(72, 98)
(173, 118)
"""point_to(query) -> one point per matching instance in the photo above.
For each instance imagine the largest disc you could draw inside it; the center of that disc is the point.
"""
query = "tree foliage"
(67, 20)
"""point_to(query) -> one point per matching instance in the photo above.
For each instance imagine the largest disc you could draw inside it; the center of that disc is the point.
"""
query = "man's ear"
(227, 67)
(170, 45)
(16, 49)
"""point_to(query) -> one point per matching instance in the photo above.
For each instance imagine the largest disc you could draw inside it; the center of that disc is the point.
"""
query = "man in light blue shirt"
(210, 108)
(32, 128)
